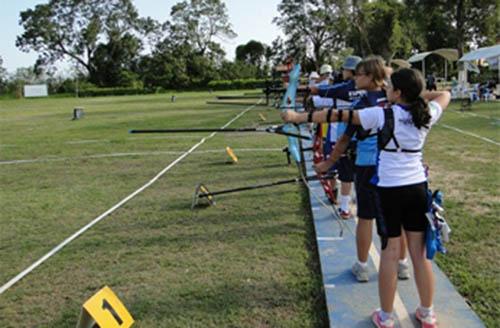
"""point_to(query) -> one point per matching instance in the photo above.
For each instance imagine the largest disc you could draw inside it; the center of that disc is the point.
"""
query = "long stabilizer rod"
(260, 186)
(271, 129)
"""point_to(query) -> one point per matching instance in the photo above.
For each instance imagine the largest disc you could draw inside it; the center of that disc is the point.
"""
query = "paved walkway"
(350, 303)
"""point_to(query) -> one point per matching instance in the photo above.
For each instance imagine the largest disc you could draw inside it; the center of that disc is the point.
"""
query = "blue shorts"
(365, 192)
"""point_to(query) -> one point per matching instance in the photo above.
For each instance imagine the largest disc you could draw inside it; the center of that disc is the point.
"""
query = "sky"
(251, 20)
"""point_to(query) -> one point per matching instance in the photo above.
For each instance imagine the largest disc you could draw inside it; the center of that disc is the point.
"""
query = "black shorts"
(345, 167)
(404, 206)
(365, 192)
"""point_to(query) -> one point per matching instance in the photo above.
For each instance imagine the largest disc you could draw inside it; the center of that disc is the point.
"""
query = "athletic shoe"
(389, 323)
(360, 272)
(346, 215)
(403, 271)
(428, 321)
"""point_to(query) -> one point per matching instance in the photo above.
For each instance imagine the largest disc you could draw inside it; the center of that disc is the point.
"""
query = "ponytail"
(420, 113)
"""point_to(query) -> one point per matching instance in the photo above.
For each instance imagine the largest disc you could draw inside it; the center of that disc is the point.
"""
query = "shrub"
(237, 84)
(97, 92)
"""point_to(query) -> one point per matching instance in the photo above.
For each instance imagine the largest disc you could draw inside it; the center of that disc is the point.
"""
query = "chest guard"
(386, 134)
(371, 99)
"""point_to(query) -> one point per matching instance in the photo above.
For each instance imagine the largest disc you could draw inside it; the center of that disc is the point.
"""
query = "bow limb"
(289, 103)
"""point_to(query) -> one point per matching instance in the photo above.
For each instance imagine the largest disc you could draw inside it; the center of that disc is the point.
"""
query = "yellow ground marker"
(262, 117)
(106, 310)
(231, 154)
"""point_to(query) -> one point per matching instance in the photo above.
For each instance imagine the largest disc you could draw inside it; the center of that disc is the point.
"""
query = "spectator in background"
(325, 75)
(454, 87)
(313, 78)
(431, 82)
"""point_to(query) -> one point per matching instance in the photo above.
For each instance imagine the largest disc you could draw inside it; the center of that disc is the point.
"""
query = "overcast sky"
(250, 19)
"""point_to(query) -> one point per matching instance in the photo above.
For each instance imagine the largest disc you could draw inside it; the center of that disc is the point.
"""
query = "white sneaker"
(360, 272)
(389, 323)
(428, 321)
(403, 271)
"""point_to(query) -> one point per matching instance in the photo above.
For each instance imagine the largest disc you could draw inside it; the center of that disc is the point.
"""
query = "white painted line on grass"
(329, 238)
(148, 153)
(184, 136)
(78, 142)
(469, 134)
(477, 115)
(56, 249)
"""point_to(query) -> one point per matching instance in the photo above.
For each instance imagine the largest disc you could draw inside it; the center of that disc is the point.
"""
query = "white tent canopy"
(490, 54)
(400, 63)
(482, 53)
(447, 53)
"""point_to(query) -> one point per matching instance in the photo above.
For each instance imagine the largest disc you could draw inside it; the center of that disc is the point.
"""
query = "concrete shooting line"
(68, 240)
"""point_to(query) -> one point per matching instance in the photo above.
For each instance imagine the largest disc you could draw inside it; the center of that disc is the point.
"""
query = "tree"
(173, 66)
(197, 23)
(251, 53)
(459, 24)
(116, 61)
(237, 70)
(313, 28)
(3, 75)
(74, 29)
(387, 30)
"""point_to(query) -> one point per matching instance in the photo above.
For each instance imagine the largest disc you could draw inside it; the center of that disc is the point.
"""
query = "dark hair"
(411, 83)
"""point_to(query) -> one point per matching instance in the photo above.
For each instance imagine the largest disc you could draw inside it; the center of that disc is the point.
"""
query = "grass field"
(248, 262)
(466, 168)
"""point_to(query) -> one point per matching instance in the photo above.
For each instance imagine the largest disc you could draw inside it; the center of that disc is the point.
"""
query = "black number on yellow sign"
(107, 306)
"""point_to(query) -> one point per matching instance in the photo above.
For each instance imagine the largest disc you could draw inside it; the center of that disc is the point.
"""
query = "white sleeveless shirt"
(400, 168)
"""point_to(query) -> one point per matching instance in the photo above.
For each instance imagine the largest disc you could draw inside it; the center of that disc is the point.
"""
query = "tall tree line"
(113, 46)
(316, 29)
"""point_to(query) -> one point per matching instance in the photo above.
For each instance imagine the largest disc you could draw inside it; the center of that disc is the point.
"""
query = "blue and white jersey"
(342, 95)
(338, 90)
(367, 149)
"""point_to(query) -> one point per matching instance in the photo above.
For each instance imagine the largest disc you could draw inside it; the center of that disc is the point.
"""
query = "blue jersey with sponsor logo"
(338, 90)
(343, 94)
(367, 150)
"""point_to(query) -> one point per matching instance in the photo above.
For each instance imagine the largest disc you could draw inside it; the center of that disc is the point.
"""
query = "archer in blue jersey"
(370, 75)
(342, 95)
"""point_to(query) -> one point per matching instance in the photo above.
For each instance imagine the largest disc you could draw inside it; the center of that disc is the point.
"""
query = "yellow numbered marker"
(107, 310)
(231, 154)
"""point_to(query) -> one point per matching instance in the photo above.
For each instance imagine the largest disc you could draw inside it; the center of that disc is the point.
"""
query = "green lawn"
(466, 169)
(248, 262)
